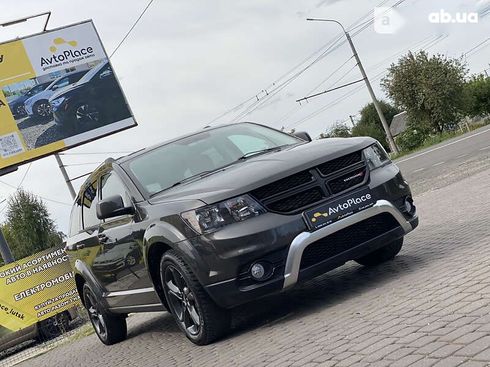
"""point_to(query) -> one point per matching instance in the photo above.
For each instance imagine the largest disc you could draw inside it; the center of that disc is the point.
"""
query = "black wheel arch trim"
(83, 271)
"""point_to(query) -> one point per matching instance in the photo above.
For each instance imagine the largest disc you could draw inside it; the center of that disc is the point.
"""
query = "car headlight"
(56, 102)
(376, 156)
(213, 217)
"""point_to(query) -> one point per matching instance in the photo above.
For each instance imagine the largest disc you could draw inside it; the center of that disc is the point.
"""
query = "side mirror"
(112, 206)
(303, 135)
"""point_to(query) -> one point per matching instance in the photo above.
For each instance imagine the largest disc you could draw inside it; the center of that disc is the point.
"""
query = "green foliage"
(430, 89)
(477, 96)
(370, 124)
(410, 139)
(339, 130)
(28, 228)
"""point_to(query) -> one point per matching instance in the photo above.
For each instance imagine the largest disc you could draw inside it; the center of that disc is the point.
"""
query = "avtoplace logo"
(342, 206)
(70, 55)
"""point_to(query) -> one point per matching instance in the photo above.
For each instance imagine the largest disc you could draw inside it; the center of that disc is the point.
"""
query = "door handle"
(105, 240)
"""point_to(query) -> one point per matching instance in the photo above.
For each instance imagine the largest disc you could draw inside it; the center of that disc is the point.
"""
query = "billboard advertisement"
(57, 90)
(36, 288)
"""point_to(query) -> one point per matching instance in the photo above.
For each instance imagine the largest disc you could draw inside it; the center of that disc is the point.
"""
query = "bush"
(410, 139)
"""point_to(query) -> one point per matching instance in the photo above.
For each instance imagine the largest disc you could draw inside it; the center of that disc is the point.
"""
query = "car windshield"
(204, 152)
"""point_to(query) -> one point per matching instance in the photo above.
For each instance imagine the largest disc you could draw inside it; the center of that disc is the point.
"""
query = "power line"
(42, 197)
(334, 46)
(132, 27)
(25, 175)
(97, 153)
(359, 22)
(80, 164)
(467, 53)
(357, 89)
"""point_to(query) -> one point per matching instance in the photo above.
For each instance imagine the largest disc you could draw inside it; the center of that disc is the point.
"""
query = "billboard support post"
(5, 250)
(65, 176)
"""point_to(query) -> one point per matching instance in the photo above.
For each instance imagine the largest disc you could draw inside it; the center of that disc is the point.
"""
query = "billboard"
(57, 90)
(36, 288)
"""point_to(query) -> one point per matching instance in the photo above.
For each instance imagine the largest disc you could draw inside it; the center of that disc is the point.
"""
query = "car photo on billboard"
(94, 101)
(38, 106)
(82, 102)
(17, 104)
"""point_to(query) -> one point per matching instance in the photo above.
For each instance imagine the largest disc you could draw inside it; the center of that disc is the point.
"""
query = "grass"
(439, 138)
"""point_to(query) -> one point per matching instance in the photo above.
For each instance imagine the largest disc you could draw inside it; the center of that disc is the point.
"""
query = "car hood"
(68, 89)
(261, 170)
(45, 94)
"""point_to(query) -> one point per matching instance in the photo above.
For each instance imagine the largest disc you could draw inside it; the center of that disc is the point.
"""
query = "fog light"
(257, 271)
(409, 207)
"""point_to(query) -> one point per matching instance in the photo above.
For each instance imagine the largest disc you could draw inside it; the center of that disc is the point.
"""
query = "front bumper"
(283, 244)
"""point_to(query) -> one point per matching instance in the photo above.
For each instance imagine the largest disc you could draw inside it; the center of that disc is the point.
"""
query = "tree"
(28, 228)
(430, 89)
(477, 96)
(339, 130)
(370, 124)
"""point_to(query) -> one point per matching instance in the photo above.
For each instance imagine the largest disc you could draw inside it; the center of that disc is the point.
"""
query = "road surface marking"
(488, 147)
(438, 164)
(461, 156)
(442, 146)
(418, 170)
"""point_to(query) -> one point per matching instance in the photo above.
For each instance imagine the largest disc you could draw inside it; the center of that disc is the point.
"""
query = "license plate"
(340, 208)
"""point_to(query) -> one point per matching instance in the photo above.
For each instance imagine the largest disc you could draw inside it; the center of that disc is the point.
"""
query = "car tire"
(42, 110)
(196, 314)
(382, 254)
(86, 116)
(110, 329)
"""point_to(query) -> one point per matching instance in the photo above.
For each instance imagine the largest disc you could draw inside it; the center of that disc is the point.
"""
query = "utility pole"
(391, 141)
(5, 250)
(352, 120)
(65, 176)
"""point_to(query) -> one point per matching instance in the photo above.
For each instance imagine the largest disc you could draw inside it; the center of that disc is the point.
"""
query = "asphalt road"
(447, 162)
(428, 307)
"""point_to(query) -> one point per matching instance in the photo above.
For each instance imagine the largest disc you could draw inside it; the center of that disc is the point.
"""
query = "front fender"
(162, 236)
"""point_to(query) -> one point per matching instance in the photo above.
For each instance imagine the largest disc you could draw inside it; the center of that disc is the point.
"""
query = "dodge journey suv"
(225, 216)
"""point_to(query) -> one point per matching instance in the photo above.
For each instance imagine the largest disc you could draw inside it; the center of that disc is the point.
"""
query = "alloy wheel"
(43, 109)
(87, 113)
(182, 301)
(20, 110)
(96, 317)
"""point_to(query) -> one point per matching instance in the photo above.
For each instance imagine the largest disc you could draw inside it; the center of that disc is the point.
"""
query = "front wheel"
(42, 110)
(196, 314)
(86, 116)
(383, 254)
(110, 329)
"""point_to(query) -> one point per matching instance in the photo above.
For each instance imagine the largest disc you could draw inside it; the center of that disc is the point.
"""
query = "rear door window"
(89, 203)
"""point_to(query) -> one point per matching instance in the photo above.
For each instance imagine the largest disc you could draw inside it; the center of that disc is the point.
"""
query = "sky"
(188, 62)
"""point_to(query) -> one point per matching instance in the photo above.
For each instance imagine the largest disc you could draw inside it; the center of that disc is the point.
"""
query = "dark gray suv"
(226, 215)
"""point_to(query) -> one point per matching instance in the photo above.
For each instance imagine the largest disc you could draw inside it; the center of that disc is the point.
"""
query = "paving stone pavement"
(428, 307)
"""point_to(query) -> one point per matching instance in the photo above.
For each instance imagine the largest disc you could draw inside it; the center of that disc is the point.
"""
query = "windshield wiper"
(258, 152)
(188, 179)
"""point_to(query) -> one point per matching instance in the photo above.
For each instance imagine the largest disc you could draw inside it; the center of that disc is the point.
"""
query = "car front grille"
(337, 164)
(307, 188)
(347, 238)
